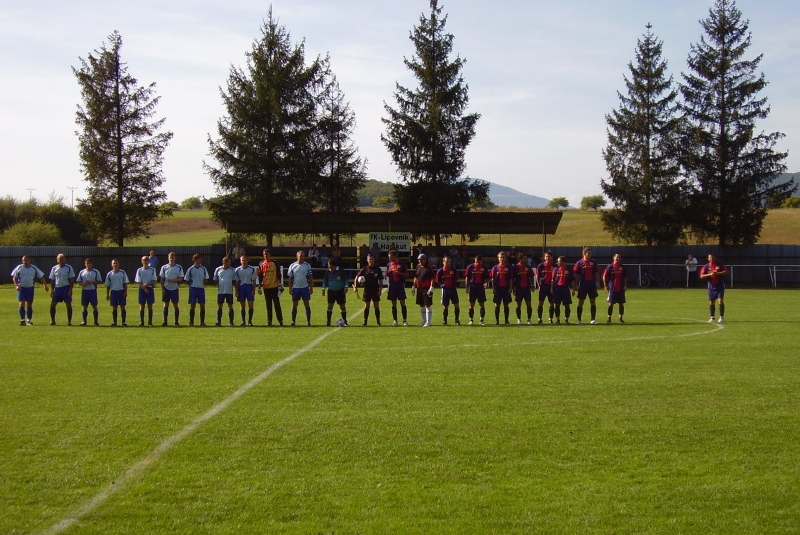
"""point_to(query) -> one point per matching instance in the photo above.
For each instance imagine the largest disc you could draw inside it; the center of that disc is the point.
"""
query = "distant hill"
(499, 195)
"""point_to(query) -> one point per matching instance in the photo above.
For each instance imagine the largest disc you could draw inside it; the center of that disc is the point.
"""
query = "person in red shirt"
(560, 288)
(447, 279)
(476, 278)
(502, 279)
(544, 275)
(586, 273)
(397, 273)
(715, 273)
(423, 285)
(523, 282)
(615, 280)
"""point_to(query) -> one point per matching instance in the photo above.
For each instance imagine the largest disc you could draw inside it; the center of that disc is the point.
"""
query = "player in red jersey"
(476, 277)
(560, 288)
(715, 273)
(544, 275)
(524, 278)
(586, 273)
(502, 279)
(447, 279)
(615, 280)
(397, 273)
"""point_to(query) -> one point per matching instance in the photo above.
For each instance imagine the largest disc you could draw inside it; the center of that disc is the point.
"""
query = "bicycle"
(654, 277)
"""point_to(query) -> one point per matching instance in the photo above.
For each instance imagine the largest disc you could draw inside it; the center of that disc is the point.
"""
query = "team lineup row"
(556, 283)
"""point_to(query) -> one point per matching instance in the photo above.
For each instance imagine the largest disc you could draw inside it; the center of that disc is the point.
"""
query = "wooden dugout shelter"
(544, 223)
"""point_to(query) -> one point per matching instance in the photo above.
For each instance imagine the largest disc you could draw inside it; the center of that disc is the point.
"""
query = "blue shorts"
(501, 295)
(449, 295)
(477, 293)
(62, 294)
(561, 295)
(587, 289)
(118, 298)
(147, 298)
(197, 295)
(397, 290)
(88, 297)
(224, 298)
(171, 296)
(301, 293)
(25, 295)
(246, 293)
(716, 291)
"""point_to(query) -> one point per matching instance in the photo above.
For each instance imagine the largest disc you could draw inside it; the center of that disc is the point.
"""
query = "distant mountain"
(505, 196)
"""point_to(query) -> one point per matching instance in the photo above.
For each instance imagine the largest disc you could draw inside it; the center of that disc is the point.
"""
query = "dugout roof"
(544, 222)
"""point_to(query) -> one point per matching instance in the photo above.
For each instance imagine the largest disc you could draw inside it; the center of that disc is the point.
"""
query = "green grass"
(666, 424)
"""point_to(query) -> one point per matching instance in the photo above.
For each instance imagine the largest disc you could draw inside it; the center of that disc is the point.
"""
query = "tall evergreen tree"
(343, 172)
(644, 182)
(266, 147)
(732, 167)
(428, 132)
(120, 147)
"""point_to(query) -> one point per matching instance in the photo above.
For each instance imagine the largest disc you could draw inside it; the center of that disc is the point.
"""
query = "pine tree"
(120, 149)
(266, 147)
(732, 167)
(644, 182)
(428, 133)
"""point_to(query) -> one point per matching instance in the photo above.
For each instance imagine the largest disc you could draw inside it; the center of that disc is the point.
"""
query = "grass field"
(577, 228)
(665, 425)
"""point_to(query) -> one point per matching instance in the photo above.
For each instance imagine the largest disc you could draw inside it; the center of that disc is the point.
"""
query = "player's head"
(371, 259)
(26, 260)
(88, 263)
(171, 257)
(587, 253)
(478, 259)
(501, 257)
(561, 260)
(548, 256)
(446, 260)
(152, 253)
(266, 253)
(332, 264)
(712, 259)
(197, 259)
(61, 259)
(422, 259)
(521, 257)
(617, 258)
(115, 264)
(226, 262)
(393, 254)
(300, 255)
(145, 261)
(244, 260)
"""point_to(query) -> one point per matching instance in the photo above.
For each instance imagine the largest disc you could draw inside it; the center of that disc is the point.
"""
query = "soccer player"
(372, 281)
(171, 276)
(246, 280)
(196, 276)
(117, 291)
(272, 287)
(586, 273)
(524, 278)
(224, 276)
(335, 283)
(89, 279)
(715, 273)
(615, 280)
(502, 285)
(544, 277)
(560, 289)
(476, 278)
(423, 284)
(397, 273)
(146, 278)
(24, 277)
(447, 279)
(301, 285)
(63, 278)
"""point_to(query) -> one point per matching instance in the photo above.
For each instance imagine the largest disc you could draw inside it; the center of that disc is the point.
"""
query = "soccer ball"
(361, 279)
(340, 323)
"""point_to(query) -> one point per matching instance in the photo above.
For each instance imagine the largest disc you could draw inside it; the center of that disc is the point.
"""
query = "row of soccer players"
(555, 283)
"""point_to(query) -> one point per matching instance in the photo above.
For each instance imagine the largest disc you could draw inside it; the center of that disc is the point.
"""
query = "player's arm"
(310, 279)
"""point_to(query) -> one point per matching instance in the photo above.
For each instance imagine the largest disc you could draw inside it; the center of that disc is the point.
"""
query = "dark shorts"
(397, 290)
(371, 294)
(224, 298)
(297, 294)
(716, 291)
(25, 295)
(170, 296)
(449, 295)
(336, 296)
(197, 295)
(88, 297)
(615, 297)
(544, 294)
(501, 295)
(522, 294)
(587, 289)
(62, 294)
(561, 295)
(423, 299)
(118, 298)
(477, 293)
(147, 298)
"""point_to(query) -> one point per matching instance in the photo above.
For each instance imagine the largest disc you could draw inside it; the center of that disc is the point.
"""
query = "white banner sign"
(386, 241)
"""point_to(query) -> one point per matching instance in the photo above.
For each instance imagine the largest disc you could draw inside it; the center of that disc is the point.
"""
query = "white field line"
(140, 466)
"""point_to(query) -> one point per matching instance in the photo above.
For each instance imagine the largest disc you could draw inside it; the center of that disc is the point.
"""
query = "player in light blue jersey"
(89, 279)
(301, 285)
(117, 291)
(171, 276)
(146, 278)
(24, 276)
(196, 276)
(246, 280)
(224, 276)
(63, 277)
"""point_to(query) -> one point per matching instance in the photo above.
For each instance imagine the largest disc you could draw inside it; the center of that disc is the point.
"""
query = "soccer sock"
(177, 315)
(610, 310)
(497, 314)
(344, 315)
(482, 313)
(294, 315)
(519, 313)
(242, 312)
(166, 314)
(231, 315)
(22, 313)
(30, 313)
(394, 313)
(471, 313)
(558, 312)
(404, 312)
(52, 314)
(429, 315)
(150, 316)
(329, 313)
(712, 309)
(505, 312)
(249, 315)
(85, 315)
(550, 312)
(457, 313)
(580, 313)
(377, 314)
(114, 316)
(621, 310)
(191, 316)
(279, 312)
(141, 316)
(124, 316)
(566, 312)
(721, 310)
(69, 314)
(423, 314)
(593, 310)
(202, 315)
(366, 315)
(444, 315)
(96, 315)
(539, 310)
(219, 315)
(308, 315)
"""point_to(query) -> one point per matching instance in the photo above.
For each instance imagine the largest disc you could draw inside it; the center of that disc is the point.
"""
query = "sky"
(542, 74)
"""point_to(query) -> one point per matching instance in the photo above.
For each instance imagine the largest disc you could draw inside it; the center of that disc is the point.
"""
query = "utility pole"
(71, 196)
(30, 190)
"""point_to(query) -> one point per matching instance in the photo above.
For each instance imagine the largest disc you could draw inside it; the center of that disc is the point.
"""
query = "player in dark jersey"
(561, 286)
(523, 282)
(544, 276)
(447, 279)
(586, 273)
(397, 273)
(714, 272)
(615, 280)
(423, 284)
(502, 278)
(370, 278)
(476, 276)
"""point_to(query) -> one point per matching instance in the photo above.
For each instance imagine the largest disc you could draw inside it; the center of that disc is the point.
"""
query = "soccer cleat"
(566, 321)
(23, 323)
(497, 323)
(53, 322)
(291, 324)
(243, 324)
(328, 324)
(470, 322)
(217, 324)
(164, 324)
(577, 322)
(177, 324)
(482, 322)
(444, 323)
(124, 324)
(558, 321)
(377, 322)
(191, 324)
(230, 324)
(405, 323)
(363, 324)
(608, 319)
(539, 321)
(529, 322)
(551, 321)
(621, 320)
(29, 322)
(593, 322)
(720, 320)
(519, 322)
(394, 323)
(141, 324)
(711, 319)
(426, 324)
(96, 324)
(250, 324)
(458, 322)
(114, 324)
